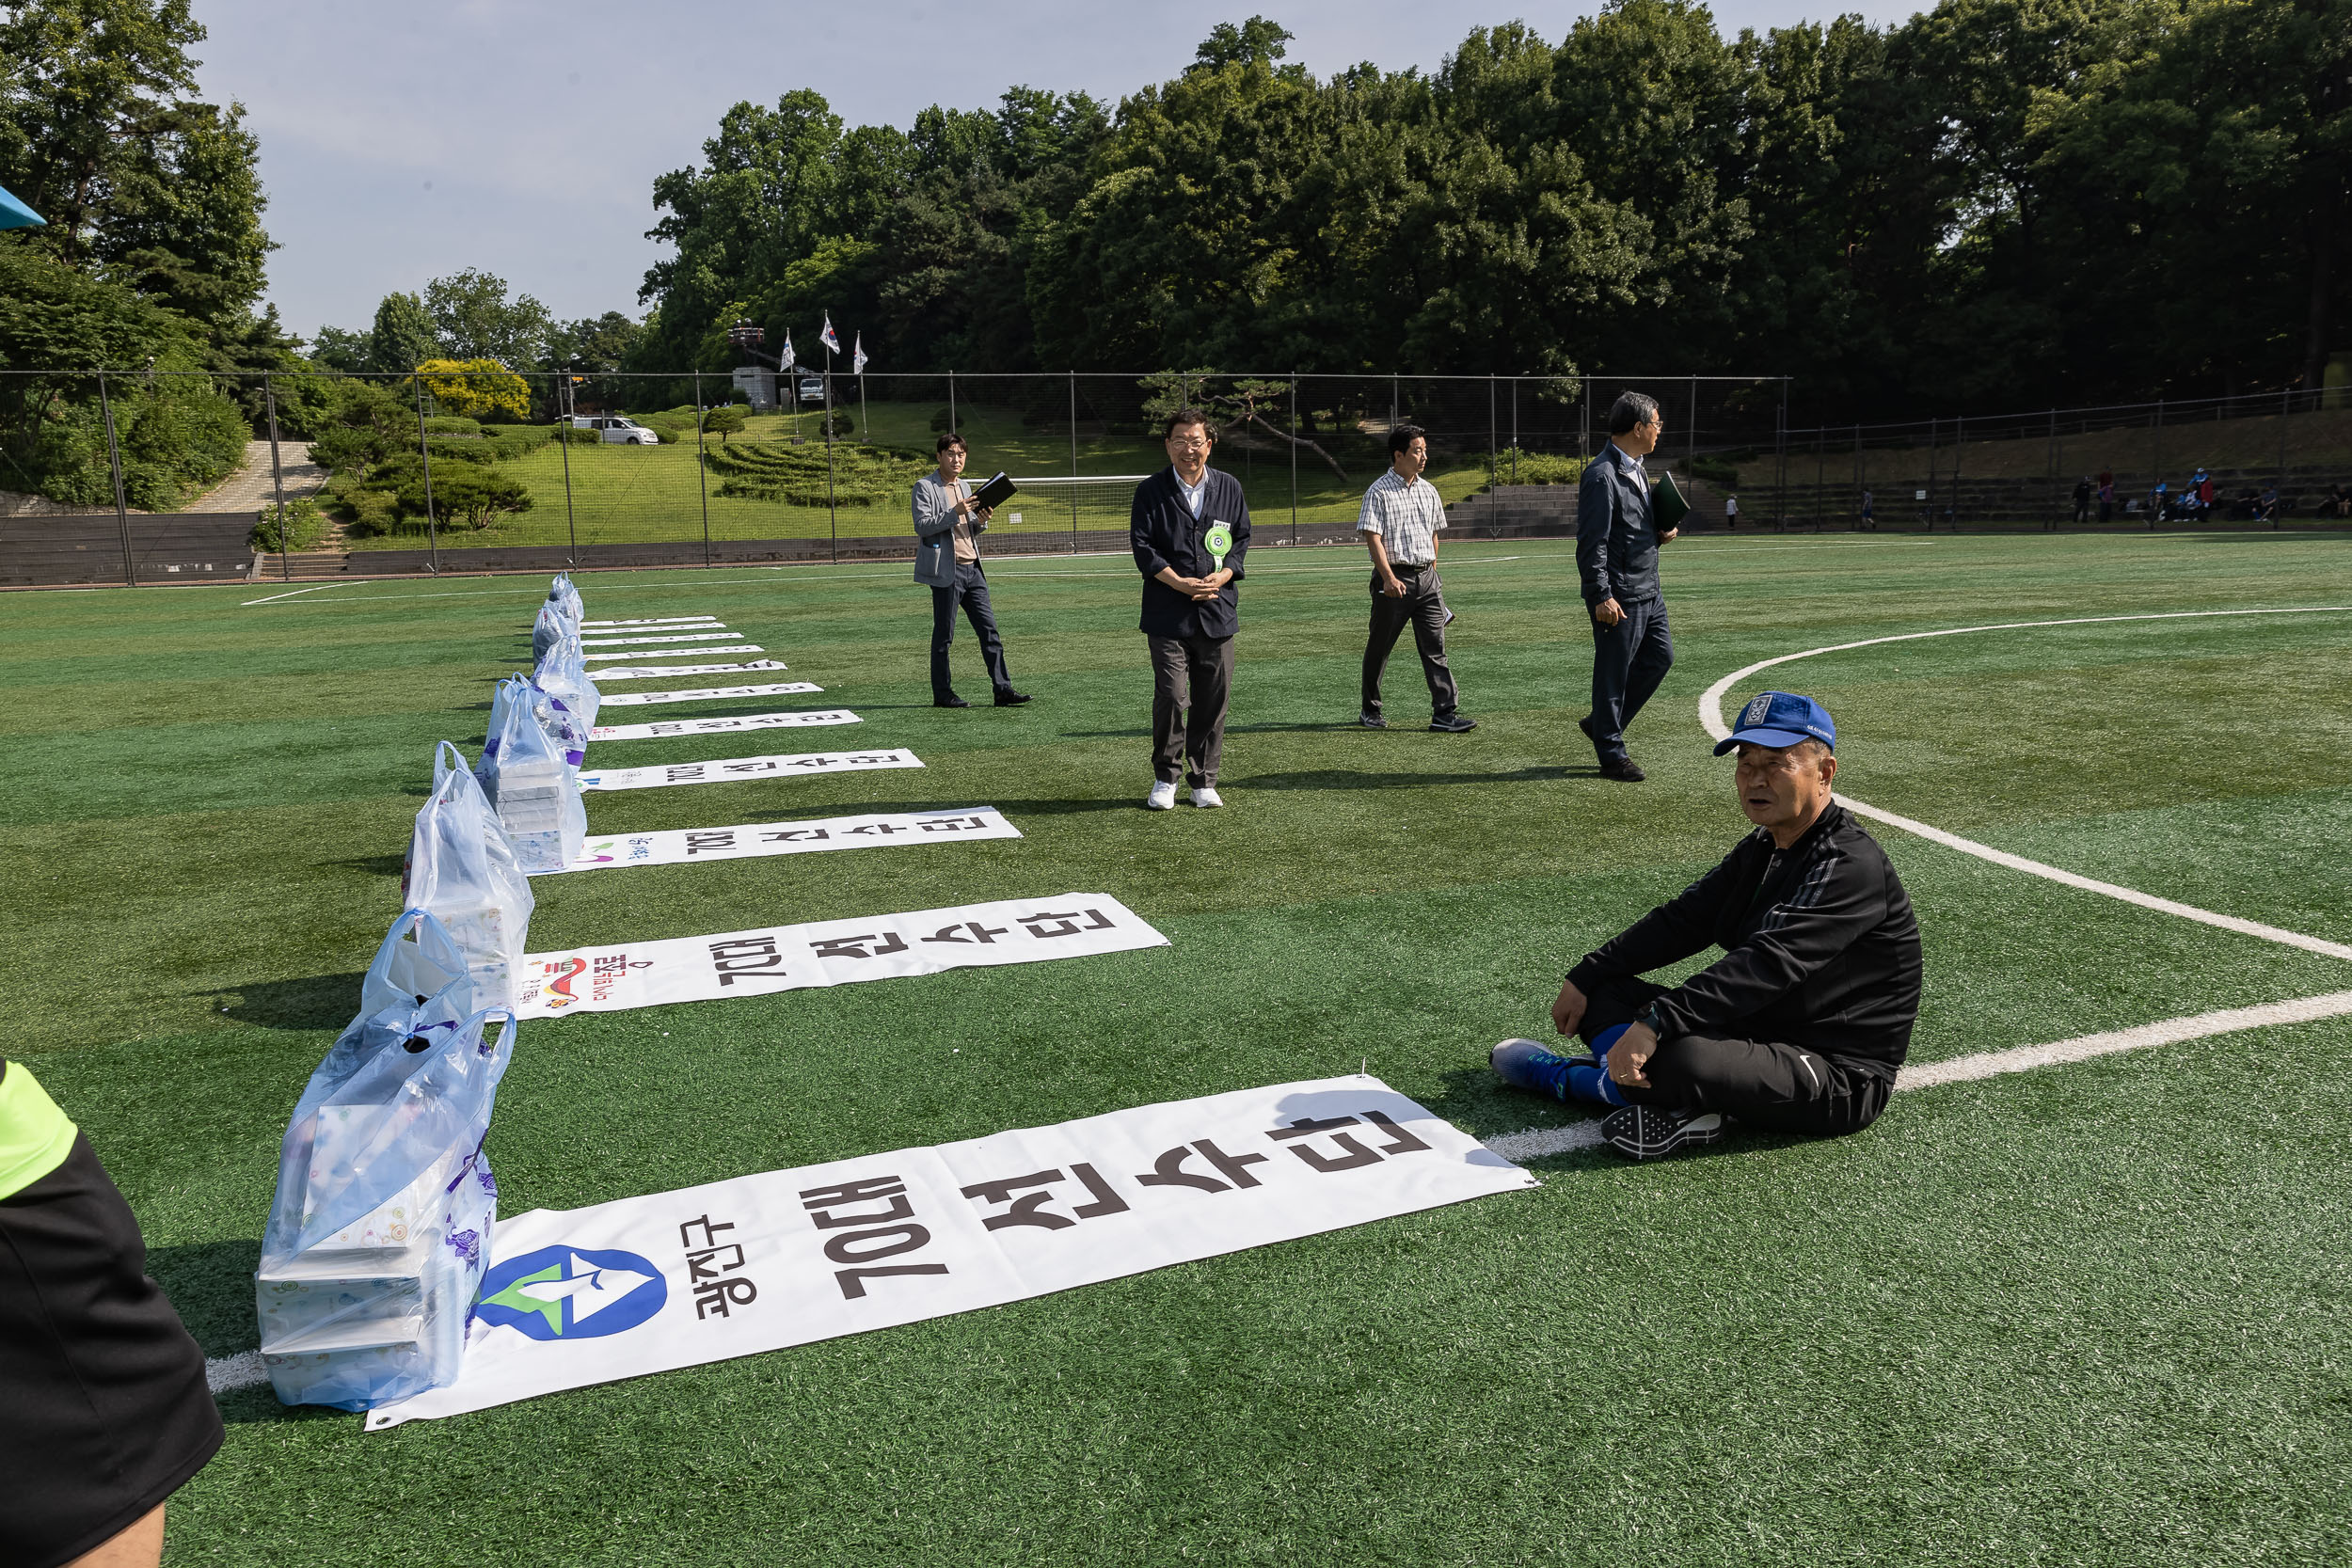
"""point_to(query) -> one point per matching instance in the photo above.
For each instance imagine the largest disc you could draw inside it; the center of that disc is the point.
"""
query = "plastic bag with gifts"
(564, 597)
(549, 629)
(561, 673)
(528, 782)
(461, 868)
(382, 1221)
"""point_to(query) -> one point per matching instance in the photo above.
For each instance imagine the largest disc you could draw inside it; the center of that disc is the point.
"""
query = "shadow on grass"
(210, 1286)
(321, 1002)
(1338, 778)
(373, 866)
(1230, 729)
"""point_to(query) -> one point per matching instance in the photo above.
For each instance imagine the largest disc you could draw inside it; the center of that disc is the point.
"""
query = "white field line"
(834, 577)
(1539, 1141)
(1711, 716)
(274, 597)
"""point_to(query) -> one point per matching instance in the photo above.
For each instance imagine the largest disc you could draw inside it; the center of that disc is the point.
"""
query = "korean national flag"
(857, 355)
(785, 360)
(827, 338)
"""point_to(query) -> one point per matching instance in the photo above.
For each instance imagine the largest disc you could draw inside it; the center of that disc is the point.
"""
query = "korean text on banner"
(615, 976)
(678, 1279)
(648, 621)
(664, 729)
(675, 653)
(649, 672)
(678, 846)
(736, 769)
(711, 693)
(718, 634)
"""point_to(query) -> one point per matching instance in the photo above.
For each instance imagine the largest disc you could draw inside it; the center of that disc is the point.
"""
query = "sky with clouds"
(402, 143)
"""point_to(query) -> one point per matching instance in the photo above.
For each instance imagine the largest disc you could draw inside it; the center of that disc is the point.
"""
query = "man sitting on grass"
(1801, 1026)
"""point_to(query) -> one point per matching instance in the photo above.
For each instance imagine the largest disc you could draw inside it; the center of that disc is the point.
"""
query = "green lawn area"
(631, 495)
(2090, 1314)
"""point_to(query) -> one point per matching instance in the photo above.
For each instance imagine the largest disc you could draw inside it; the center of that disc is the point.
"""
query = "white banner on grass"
(717, 634)
(577, 1297)
(709, 694)
(737, 769)
(647, 621)
(621, 975)
(680, 653)
(879, 830)
(724, 726)
(648, 671)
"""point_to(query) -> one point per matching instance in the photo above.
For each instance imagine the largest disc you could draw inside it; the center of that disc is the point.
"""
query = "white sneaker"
(1162, 796)
(1206, 795)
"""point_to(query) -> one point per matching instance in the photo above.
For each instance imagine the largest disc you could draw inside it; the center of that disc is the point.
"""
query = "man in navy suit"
(1617, 558)
(1191, 609)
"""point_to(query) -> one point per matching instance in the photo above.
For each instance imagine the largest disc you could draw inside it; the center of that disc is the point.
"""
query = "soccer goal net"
(1087, 504)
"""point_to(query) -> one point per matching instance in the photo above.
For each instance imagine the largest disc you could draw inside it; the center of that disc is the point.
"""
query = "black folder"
(995, 492)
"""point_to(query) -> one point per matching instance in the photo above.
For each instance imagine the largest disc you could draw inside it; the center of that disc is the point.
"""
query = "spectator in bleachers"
(2106, 497)
(2082, 499)
(2266, 510)
(1870, 516)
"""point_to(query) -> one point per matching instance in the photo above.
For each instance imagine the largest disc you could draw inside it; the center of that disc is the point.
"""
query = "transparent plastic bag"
(528, 784)
(561, 673)
(566, 596)
(462, 867)
(551, 629)
(382, 1220)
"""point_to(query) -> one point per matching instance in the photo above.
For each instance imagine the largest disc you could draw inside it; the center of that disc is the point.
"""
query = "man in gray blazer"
(1191, 609)
(948, 559)
(1617, 559)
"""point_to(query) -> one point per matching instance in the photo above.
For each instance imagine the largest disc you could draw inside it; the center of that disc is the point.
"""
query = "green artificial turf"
(2095, 1314)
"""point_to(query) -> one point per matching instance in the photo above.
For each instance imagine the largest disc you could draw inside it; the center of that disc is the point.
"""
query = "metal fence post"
(1073, 462)
(2280, 506)
(1691, 440)
(424, 450)
(833, 518)
(1960, 430)
(563, 440)
(952, 399)
(2155, 461)
(114, 463)
(701, 470)
(1294, 457)
(1494, 436)
(278, 476)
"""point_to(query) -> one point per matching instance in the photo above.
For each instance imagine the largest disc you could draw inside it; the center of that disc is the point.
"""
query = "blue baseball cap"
(1780, 719)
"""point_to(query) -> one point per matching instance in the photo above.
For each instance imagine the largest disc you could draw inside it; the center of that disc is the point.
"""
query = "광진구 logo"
(566, 1293)
(1759, 708)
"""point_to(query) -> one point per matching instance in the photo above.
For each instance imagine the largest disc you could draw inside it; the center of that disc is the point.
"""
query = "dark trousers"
(970, 592)
(1192, 680)
(1629, 660)
(1766, 1083)
(1423, 605)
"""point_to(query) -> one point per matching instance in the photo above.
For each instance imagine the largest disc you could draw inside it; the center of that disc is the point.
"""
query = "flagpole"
(831, 516)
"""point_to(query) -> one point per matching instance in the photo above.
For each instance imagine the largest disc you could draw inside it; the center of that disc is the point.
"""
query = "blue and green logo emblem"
(565, 1292)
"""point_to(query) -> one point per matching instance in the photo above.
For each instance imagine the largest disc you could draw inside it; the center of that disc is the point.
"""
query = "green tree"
(101, 133)
(724, 420)
(473, 318)
(340, 350)
(403, 336)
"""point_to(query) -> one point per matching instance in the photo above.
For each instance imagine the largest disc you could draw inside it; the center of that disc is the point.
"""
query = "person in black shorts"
(1802, 1024)
(107, 1413)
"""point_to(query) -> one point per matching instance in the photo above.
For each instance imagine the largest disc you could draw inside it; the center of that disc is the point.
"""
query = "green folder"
(1666, 506)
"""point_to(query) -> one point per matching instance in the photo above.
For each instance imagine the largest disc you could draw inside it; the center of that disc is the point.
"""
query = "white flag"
(827, 338)
(784, 362)
(857, 355)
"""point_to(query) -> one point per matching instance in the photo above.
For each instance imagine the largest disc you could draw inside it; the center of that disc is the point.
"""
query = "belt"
(1406, 566)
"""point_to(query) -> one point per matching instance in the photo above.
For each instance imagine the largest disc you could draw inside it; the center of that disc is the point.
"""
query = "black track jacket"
(1821, 948)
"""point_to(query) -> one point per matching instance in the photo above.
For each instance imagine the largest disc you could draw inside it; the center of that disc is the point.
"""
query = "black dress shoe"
(1628, 771)
(1010, 698)
(951, 700)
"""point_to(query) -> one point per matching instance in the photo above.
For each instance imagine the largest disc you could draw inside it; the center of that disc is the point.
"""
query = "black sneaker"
(1371, 721)
(951, 700)
(1453, 723)
(1647, 1133)
(1625, 772)
(1010, 698)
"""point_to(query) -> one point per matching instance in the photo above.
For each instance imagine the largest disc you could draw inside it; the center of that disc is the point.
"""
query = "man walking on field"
(1399, 523)
(1189, 531)
(1617, 557)
(1802, 1024)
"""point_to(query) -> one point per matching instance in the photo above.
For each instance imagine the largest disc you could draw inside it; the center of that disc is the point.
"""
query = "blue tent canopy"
(15, 215)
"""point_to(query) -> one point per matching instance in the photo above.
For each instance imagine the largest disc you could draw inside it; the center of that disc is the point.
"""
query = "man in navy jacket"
(1617, 559)
(1191, 609)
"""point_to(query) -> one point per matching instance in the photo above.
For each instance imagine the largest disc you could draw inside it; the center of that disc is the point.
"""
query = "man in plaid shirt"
(1400, 521)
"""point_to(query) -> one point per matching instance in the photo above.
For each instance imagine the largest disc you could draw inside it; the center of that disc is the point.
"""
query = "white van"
(618, 430)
